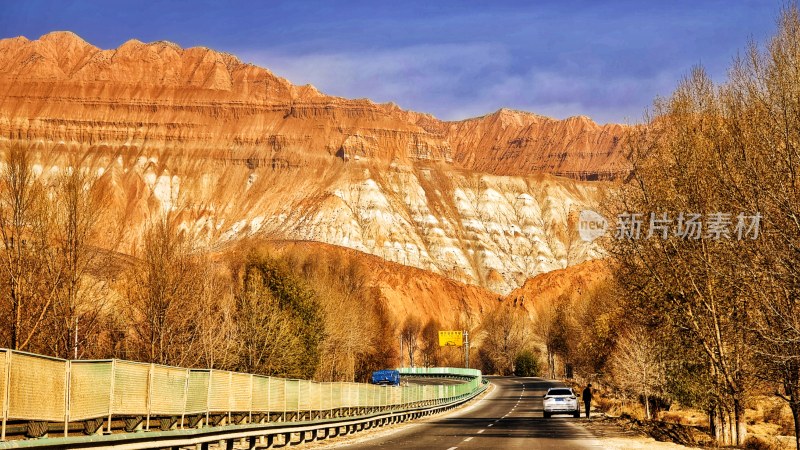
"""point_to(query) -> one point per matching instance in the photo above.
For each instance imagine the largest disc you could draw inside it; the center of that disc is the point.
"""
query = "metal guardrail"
(440, 371)
(96, 397)
(279, 434)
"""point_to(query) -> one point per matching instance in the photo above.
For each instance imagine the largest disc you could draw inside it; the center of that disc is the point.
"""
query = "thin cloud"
(424, 74)
(607, 60)
(455, 82)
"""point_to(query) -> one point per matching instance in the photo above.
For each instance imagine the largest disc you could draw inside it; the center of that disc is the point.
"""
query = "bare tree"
(761, 156)
(350, 322)
(29, 274)
(215, 329)
(637, 366)
(409, 335)
(556, 328)
(77, 208)
(162, 290)
(430, 350)
(266, 336)
(506, 332)
(689, 280)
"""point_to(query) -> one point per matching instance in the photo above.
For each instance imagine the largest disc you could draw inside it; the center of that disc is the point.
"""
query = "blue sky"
(455, 59)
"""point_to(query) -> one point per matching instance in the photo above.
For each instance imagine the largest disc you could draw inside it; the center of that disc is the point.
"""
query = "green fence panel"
(37, 388)
(277, 395)
(363, 393)
(261, 394)
(89, 389)
(345, 399)
(241, 397)
(219, 397)
(168, 390)
(292, 395)
(197, 398)
(337, 395)
(131, 388)
(304, 395)
(315, 394)
(326, 396)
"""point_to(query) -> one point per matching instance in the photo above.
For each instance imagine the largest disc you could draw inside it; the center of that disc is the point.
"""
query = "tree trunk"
(794, 405)
(730, 428)
(712, 423)
(722, 425)
(741, 426)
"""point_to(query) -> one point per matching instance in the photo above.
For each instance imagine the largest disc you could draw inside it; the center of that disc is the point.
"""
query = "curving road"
(510, 417)
(431, 380)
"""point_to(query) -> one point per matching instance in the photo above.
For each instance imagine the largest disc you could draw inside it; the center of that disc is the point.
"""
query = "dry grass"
(761, 442)
(770, 424)
(688, 417)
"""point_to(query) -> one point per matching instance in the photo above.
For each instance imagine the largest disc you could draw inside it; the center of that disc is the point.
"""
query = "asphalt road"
(510, 417)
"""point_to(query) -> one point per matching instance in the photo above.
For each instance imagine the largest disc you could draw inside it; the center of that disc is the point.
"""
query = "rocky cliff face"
(511, 142)
(560, 286)
(238, 151)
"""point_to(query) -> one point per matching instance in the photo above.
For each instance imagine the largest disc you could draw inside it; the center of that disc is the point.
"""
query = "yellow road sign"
(451, 338)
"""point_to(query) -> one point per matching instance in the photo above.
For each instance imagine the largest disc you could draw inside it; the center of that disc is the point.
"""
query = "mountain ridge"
(160, 74)
(239, 152)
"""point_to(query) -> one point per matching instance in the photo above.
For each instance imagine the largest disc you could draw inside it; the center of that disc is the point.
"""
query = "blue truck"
(386, 377)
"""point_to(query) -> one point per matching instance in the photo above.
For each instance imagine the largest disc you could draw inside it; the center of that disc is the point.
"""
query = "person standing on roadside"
(587, 398)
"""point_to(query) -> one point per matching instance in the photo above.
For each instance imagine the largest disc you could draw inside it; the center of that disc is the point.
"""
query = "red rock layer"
(60, 88)
(566, 285)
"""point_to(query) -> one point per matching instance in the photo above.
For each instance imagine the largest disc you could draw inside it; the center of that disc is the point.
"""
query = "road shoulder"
(614, 436)
(389, 430)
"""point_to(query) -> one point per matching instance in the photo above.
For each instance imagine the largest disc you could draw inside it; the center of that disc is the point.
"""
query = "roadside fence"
(99, 393)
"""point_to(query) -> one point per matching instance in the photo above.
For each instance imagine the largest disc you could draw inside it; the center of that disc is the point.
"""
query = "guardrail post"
(250, 416)
(269, 399)
(230, 395)
(185, 397)
(67, 367)
(149, 394)
(208, 395)
(6, 394)
(343, 411)
(111, 393)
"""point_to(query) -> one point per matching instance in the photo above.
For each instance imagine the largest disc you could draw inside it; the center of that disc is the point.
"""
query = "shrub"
(526, 364)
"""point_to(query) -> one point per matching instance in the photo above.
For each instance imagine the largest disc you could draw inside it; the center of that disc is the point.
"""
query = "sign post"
(466, 349)
(451, 339)
(456, 339)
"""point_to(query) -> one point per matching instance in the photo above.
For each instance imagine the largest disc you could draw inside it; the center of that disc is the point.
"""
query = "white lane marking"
(452, 448)
(468, 439)
(491, 424)
(481, 431)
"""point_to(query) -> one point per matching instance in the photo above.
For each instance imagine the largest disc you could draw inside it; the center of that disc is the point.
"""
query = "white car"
(561, 400)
